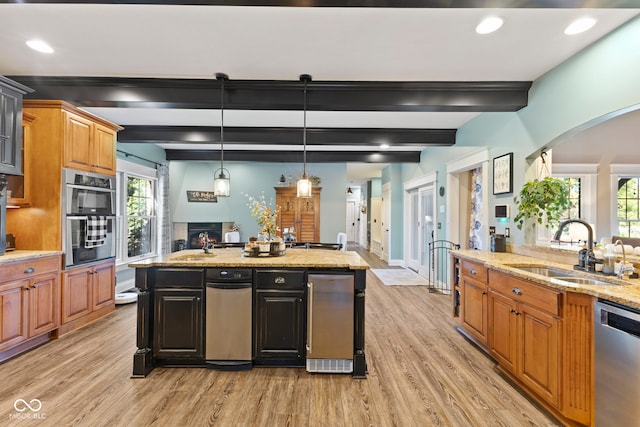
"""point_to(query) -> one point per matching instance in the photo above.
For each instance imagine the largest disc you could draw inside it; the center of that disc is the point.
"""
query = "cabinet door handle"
(472, 271)
(517, 291)
(29, 270)
(484, 292)
(197, 299)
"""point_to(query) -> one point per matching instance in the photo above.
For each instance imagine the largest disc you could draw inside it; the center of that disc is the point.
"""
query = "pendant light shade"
(304, 185)
(222, 178)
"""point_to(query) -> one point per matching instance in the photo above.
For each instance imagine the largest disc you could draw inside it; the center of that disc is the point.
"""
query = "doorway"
(420, 217)
(459, 183)
(385, 220)
(353, 221)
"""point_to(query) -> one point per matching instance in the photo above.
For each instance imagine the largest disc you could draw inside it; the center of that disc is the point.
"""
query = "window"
(137, 213)
(628, 207)
(139, 216)
(582, 181)
(575, 194)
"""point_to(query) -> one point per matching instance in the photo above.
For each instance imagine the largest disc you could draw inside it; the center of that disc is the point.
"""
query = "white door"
(420, 228)
(352, 221)
(427, 198)
(414, 231)
(385, 222)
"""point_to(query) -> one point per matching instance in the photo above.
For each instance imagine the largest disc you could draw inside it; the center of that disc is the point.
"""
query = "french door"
(422, 218)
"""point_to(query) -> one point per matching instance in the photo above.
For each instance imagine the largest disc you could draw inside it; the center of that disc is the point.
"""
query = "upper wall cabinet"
(83, 141)
(11, 125)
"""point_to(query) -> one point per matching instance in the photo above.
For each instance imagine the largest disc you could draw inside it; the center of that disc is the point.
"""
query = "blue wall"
(598, 82)
(254, 179)
(146, 151)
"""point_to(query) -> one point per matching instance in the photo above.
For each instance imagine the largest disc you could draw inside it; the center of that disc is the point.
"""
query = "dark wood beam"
(370, 3)
(296, 156)
(287, 136)
(281, 94)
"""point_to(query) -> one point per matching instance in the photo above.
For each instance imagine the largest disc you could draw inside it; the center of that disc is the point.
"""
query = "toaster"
(11, 242)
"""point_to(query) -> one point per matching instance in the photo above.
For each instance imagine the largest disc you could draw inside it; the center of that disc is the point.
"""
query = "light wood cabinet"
(301, 214)
(541, 337)
(29, 301)
(525, 335)
(87, 290)
(59, 136)
(474, 299)
(88, 146)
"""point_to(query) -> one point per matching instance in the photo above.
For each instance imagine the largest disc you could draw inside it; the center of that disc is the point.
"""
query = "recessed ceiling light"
(580, 26)
(489, 25)
(40, 46)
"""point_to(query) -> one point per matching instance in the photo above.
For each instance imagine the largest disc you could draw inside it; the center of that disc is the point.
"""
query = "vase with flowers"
(266, 215)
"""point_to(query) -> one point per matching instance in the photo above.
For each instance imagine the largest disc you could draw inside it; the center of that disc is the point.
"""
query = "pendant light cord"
(222, 125)
(304, 134)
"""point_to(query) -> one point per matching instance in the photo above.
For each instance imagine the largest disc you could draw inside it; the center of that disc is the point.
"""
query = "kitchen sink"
(586, 281)
(545, 271)
(567, 277)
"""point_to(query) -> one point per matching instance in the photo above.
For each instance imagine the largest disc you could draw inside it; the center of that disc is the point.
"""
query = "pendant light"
(304, 185)
(222, 179)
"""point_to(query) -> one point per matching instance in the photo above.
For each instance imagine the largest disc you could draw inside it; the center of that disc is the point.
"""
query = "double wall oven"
(89, 217)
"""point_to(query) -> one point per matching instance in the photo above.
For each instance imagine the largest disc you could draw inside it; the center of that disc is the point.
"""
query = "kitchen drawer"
(27, 268)
(280, 279)
(536, 296)
(474, 270)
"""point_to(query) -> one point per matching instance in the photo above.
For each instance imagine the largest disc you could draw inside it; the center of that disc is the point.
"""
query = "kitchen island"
(189, 316)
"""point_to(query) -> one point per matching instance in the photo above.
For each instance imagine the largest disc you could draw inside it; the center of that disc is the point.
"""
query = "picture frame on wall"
(503, 174)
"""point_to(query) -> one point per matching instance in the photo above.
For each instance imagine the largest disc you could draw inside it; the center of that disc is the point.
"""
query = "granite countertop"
(233, 257)
(626, 291)
(23, 255)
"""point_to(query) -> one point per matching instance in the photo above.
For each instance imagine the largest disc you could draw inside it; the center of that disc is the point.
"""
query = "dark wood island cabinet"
(173, 312)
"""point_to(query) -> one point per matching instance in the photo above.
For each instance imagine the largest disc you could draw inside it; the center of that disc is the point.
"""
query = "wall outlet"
(507, 232)
(492, 230)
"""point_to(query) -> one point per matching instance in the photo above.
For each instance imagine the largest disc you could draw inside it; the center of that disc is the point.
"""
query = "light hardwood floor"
(421, 373)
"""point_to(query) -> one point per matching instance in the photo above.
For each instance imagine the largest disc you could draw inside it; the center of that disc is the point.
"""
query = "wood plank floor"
(421, 373)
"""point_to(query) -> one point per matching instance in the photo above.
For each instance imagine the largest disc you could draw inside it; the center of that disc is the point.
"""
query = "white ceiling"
(280, 43)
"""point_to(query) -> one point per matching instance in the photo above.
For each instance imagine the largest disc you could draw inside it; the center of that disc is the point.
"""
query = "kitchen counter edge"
(25, 255)
(294, 258)
(626, 292)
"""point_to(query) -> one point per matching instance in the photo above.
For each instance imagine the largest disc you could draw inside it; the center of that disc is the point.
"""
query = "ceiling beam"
(371, 3)
(287, 136)
(296, 156)
(281, 94)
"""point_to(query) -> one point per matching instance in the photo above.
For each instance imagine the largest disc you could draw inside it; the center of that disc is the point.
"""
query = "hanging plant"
(543, 200)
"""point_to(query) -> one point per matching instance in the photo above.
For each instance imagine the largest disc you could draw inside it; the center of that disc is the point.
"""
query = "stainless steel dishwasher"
(228, 321)
(617, 364)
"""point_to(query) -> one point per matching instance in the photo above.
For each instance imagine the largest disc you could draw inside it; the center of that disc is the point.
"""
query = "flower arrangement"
(266, 215)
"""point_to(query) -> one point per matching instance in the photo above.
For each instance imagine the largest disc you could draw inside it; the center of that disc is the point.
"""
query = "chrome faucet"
(589, 258)
(623, 267)
(204, 236)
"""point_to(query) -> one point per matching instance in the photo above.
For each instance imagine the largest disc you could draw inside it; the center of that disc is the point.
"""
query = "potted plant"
(543, 200)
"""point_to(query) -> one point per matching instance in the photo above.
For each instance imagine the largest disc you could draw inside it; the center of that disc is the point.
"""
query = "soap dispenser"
(609, 260)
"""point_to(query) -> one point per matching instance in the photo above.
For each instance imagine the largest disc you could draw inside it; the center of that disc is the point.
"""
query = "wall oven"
(89, 217)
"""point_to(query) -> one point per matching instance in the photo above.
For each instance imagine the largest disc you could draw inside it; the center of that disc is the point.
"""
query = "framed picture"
(503, 174)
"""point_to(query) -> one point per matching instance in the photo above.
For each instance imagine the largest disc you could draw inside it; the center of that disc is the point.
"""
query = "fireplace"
(214, 229)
